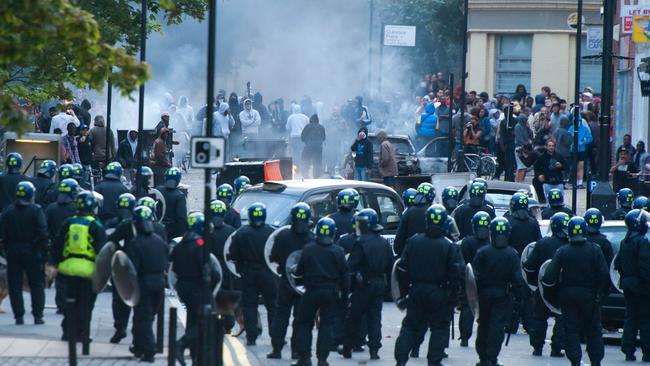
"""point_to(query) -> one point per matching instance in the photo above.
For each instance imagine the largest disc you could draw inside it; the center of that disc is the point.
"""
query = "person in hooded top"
(250, 120)
(223, 121)
(313, 136)
(295, 124)
(103, 142)
(126, 152)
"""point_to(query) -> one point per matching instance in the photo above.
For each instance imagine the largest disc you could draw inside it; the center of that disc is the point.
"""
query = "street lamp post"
(143, 54)
(577, 120)
(643, 72)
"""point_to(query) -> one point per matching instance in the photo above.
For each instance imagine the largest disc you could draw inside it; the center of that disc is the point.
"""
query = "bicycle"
(482, 163)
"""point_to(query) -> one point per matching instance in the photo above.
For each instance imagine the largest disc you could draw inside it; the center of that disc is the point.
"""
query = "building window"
(590, 68)
(513, 62)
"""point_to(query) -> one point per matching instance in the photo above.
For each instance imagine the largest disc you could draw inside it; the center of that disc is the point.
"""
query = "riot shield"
(548, 292)
(100, 200)
(396, 291)
(615, 276)
(103, 266)
(471, 290)
(216, 275)
(161, 205)
(529, 276)
(226, 256)
(268, 248)
(125, 278)
(290, 270)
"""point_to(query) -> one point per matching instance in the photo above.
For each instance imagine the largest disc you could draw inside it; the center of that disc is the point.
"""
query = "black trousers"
(288, 301)
(539, 325)
(311, 157)
(59, 297)
(522, 313)
(79, 289)
(254, 283)
(143, 317)
(428, 306)
(190, 295)
(493, 316)
(637, 319)
(31, 263)
(581, 317)
(465, 320)
(322, 300)
(367, 301)
(121, 312)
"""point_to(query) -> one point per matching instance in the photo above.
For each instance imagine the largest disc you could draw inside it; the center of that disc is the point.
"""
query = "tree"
(48, 46)
(438, 39)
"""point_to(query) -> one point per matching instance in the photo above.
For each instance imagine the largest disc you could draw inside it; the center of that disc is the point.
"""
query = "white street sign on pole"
(399, 35)
(594, 38)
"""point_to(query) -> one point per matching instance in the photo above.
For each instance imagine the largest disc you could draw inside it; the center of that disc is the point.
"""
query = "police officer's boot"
(346, 352)
(630, 357)
(118, 336)
(323, 363)
(275, 354)
(180, 352)
(374, 354)
(302, 361)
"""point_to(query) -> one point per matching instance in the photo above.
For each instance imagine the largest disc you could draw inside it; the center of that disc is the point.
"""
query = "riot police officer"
(469, 246)
(544, 250)
(147, 177)
(56, 213)
(44, 184)
(286, 242)
(322, 270)
(225, 194)
(450, 198)
(408, 197)
(150, 257)
(64, 172)
(187, 263)
(555, 199)
(123, 235)
(429, 268)
(24, 230)
(176, 205)
(371, 259)
(630, 263)
(10, 180)
(464, 213)
(78, 175)
(247, 251)
(580, 273)
(413, 220)
(641, 203)
(625, 196)
(347, 201)
(221, 231)
(73, 251)
(158, 228)
(241, 183)
(594, 220)
(523, 228)
(496, 270)
(111, 188)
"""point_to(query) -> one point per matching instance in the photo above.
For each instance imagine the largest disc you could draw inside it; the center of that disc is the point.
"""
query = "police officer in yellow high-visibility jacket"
(73, 251)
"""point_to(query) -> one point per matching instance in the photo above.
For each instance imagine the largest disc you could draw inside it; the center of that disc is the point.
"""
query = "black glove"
(402, 302)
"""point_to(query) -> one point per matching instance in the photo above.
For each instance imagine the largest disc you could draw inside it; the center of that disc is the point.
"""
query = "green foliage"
(438, 36)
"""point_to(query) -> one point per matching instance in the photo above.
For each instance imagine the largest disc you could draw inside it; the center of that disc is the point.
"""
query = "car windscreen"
(277, 205)
(499, 199)
(401, 146)
(614, 234)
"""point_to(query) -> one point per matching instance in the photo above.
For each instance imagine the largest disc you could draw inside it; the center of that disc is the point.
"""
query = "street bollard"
(171, 342)
(70, 329)
(160, 328)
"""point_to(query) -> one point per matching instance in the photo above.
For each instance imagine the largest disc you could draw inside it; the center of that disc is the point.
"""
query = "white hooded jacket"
(296, 121)
(250, 120)
(222, 123)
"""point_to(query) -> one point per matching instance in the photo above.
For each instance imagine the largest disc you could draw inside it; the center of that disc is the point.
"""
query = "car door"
(323, 203)
(389, 209)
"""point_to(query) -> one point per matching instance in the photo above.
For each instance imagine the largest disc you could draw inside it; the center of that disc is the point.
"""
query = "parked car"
(407, 161)
(500, 192)
(434, 155)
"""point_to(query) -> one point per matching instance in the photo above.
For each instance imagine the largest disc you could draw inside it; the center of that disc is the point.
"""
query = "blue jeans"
(361, 173)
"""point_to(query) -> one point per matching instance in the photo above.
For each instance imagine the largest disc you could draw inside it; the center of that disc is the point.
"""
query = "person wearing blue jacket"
(584, 138)
(426, 126)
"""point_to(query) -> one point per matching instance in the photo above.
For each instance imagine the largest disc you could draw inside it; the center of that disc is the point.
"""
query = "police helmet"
(196, 222)
(113, 170)
(427, 192)
(257, 214)
(435, 220)
(367, 220)
(86, 203)
(47, 169)
(172, 177)
(325, 231)
(636, 221)
(143, 219)
(477, 192)
(225, 193)
(219, 210)
(555, 197)
(77, 171)
(500, 232)
(408, 196)
(300, 217)
(577, 228)
(147, 175)
(14, 162)
(481, 225)
(241, 183)
(347, 199)
(518, 201)
(625, 197)
(594, 219)
(65, 172)
(125, 204)
(68, 189)
(641, 203)
(25, 193)
(559, 225)
(450, 197)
